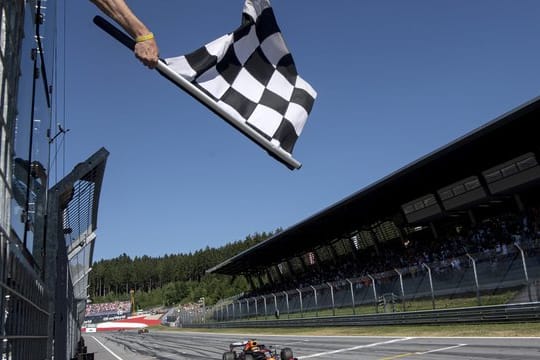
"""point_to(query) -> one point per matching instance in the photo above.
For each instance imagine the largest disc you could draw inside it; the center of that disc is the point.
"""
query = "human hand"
(147, 52)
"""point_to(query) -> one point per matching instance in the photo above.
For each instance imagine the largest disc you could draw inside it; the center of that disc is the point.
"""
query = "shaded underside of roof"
(508, 136)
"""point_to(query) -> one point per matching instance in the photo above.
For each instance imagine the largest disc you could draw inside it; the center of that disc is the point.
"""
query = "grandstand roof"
(506, 137)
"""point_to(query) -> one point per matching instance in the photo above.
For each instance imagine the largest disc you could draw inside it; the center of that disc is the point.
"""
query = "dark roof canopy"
(508, 136)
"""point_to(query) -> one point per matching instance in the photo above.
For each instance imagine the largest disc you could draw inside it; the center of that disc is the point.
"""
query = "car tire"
(249, 357)
(229, 355)
(286, 354)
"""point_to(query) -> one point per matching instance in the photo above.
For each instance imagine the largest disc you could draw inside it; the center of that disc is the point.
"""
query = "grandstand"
(117, 307)
(117, 315)
(475, 200)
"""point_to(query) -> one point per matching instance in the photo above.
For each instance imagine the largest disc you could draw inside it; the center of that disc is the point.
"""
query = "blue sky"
(395, 81)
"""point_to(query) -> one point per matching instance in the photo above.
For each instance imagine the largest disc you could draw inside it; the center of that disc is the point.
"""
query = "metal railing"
(72, 220)
(24, 311)
(42, 307)
(480, 275)
(527, 312)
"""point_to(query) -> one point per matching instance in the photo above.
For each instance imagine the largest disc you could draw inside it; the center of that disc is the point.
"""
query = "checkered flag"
(251, 77)
(247, 77)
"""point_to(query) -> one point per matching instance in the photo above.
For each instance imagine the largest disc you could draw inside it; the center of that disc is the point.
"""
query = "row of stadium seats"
(491, 240)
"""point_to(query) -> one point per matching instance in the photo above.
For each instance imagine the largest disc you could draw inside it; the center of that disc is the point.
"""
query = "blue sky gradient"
(395, 81)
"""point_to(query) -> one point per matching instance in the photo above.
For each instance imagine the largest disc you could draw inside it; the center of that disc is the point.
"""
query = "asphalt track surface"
(128, 345)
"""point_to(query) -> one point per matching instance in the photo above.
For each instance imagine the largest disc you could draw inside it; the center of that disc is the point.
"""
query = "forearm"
(146, 49)
(122, 14)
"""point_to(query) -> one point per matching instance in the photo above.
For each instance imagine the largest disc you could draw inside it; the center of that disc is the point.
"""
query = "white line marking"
(441, 349)
(106, 348)
(354, 348)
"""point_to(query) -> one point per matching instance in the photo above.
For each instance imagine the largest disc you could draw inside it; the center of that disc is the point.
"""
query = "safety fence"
(44, 294)
(527, 312)
(72, 221)
(24, 311)
(480, 275)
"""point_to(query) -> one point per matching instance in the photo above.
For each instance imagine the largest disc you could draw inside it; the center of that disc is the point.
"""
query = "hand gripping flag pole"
(271, 109)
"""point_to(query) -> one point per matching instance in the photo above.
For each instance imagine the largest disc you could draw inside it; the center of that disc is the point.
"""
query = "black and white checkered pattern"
(251, 75)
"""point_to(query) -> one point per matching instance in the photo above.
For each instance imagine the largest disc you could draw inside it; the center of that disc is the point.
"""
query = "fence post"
(301, 305)
(265, 308)
(256, 308)
(247, 308)
(276, 310)
(240, 310)
(316, 303)
(473, 262)
(374, 293)
(402, 289)
(287, 303)
(525, 271)
(332, 296)
(203, 300)
(352, 296)
(233, 311)
(430, 285)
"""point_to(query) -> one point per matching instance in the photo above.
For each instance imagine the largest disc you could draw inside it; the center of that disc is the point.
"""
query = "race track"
(129, 345)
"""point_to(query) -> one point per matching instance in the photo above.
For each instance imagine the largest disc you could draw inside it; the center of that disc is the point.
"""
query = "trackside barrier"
(72, 220)
(24, 312)
(46, 236)
(479, 274)
(43, 301)
(528, 312)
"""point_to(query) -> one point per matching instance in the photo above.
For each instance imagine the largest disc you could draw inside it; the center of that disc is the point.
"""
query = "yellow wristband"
(144, 37)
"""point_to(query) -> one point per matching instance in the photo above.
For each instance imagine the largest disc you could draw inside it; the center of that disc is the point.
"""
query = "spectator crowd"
(493, 239)
(117, 307)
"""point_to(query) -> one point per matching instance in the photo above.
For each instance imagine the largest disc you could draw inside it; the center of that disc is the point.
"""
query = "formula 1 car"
(251, 350)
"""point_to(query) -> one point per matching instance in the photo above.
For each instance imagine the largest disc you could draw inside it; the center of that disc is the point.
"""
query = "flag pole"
(275, 151)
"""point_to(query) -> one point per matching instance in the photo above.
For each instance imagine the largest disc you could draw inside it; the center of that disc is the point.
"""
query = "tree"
(170, 279)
